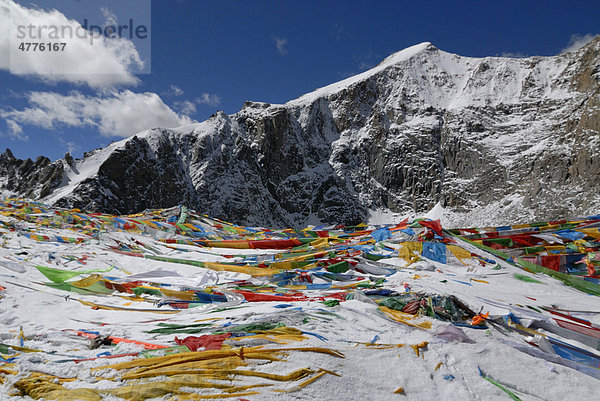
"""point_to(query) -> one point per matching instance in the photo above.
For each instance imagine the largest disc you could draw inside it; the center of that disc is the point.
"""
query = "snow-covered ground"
(361, 352)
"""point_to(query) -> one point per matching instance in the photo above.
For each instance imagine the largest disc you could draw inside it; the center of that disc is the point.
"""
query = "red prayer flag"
(551, 262)
(435, 225)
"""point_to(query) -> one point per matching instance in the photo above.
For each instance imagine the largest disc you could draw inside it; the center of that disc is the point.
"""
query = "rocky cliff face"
(28, 178)
(492, 140)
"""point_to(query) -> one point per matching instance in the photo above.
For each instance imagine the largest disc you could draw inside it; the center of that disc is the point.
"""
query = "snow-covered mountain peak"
(391, 60)
(493, 139)
(407, 53)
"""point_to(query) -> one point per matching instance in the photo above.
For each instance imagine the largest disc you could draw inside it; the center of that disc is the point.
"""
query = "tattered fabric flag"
(208, 342)
(458, 252)
(570, 234)
(59, 276)
(435, 225)
(381, 234)
(435, 251)
(407, 250)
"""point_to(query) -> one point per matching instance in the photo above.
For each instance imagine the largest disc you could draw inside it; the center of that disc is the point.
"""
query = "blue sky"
(208, 56)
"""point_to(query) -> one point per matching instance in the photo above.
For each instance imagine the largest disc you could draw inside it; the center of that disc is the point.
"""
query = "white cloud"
(173, 91)
(368, 60)
(577, 42)
(346, 74)
(209, 99)
(70, 147)
(14, 127)
(15, 131)
(513, 55)
(339, 31)
(185, 107)
(109, 17)
(365, 65)
(86, 60)
(281, 44)
(120, 114)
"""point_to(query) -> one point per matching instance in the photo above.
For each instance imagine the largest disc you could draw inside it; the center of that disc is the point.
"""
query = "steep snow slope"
(80, 171)
(489, 139)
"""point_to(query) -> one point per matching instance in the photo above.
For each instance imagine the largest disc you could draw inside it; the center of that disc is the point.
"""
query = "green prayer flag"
(527, 279)
(60, 276)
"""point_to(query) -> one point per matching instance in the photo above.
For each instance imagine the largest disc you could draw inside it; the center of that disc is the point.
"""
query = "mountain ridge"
(490, 139)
